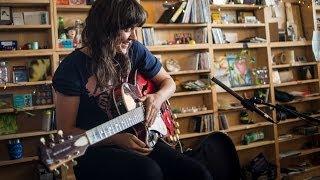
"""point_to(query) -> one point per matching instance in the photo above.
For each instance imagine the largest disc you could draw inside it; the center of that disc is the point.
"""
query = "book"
(19, 74)
(223, 122)
(17, 18)
(178, 12)
(168, 13)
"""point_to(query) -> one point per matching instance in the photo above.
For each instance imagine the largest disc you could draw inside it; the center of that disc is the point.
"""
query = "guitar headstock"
(56, 151)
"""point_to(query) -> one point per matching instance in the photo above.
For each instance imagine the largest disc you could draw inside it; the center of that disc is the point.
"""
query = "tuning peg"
(43, 141)
(70, 137)
(65, 166)
(51, 136)
(61, 140)
(177, 137)
(74, 162)
(177, 131)
(174, 138)
(56, 172)
(171, 138)
(60, 133)
(76, 153)
(174, 116)
(176, 124)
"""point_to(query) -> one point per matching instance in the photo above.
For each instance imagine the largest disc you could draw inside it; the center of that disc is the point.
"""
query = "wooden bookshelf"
(189, 93)
(289, 44)
(17, 161)
(8, 85)
(254, 145)
(237, 46)
(189, 72)
(174, 26)
(178, 47)
(246, 126)
(73, 8)
(26, 53)
(183, 115)
(297, 83)
(26, 135)
(24, 27)
(239, 25)
(24, 2)
(294, 65)
(33, 108)
(236, 6)
(244, 88)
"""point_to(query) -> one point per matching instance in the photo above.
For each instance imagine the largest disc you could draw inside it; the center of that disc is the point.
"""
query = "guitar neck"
(115, 125)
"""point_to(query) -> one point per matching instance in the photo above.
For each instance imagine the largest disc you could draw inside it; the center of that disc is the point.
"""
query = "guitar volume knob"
(56, 172)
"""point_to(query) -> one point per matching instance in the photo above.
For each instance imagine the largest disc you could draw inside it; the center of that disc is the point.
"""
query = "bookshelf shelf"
(239, 25)
(287, 121)
(178, 47)
(304, 152)
(289, 44)
(11, 110)
(303, 99)
(26, 53)
(24, 3)
(175, 26)
(17, 161)
(189, 72)
(26, 135)
(8, 85)
(73, 8)
(236, 6)
(238, 108)
(183, 115)
(246, 126)
(296, 83)
(24, 27)
(254, 145)
(247, 88)
(193, 135)
(296, 137)
(191, 93)
(237, 46)
(294, 65)
(317, 7)
(313, 168)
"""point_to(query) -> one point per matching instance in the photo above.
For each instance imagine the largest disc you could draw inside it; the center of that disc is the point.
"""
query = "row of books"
(191, 11)
(148, 36)
(204, 123)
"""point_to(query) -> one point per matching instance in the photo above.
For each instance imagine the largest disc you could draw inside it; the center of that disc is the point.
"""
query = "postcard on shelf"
(19, 74)
(17, 18)
(5, 16)
(22, 100)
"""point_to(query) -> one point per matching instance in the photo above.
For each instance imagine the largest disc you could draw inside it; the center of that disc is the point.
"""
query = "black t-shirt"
(74, 78)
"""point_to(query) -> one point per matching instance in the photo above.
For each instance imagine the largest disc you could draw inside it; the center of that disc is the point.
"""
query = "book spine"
(178, 12)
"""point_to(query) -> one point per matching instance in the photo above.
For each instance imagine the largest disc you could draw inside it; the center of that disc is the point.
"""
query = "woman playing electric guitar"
(84, 82)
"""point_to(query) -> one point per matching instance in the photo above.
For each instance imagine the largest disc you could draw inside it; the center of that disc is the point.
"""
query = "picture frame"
(241, 15)
(5, 15)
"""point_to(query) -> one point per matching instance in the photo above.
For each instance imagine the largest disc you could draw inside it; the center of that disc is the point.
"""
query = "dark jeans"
(114, 163)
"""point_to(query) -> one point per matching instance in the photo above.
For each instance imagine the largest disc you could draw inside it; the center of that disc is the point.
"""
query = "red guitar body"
(126, 97)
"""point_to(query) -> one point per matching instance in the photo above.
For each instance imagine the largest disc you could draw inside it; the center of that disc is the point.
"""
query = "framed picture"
(5, 16)
(241, 15)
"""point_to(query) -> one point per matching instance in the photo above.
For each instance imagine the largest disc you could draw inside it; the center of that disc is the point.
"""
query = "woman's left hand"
(153, 104)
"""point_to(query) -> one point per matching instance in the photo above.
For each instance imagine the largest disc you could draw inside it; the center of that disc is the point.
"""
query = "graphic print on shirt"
(102, 96)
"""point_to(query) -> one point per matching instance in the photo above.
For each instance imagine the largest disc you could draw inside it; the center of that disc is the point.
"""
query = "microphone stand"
(250, 104)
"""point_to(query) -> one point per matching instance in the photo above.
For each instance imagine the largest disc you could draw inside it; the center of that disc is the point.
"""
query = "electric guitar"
(130, 116)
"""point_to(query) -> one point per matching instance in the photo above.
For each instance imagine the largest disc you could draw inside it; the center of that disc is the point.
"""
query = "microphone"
(246, 103)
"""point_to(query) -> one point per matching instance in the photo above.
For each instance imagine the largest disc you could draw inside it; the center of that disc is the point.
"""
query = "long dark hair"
(105, 20)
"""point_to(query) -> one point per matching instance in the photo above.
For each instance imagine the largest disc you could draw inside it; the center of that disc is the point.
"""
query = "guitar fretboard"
(115, 125)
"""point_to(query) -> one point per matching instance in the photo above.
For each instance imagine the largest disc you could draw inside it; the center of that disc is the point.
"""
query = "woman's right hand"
(131, 142)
